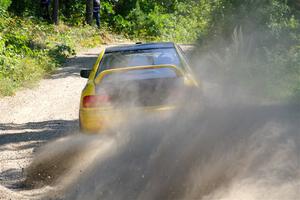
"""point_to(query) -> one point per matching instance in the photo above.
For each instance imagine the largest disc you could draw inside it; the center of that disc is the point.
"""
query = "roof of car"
(144, 46)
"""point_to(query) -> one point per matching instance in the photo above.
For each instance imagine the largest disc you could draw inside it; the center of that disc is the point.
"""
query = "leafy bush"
(263, 54)
(164, 20)
(4, 4)
(29, 49)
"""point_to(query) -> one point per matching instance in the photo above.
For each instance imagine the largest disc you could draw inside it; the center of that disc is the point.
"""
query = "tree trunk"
(89, 12)
(55, 12)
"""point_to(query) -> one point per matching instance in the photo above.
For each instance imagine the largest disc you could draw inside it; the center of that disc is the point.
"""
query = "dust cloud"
(232, 152)
(223, 146)
(224, 153)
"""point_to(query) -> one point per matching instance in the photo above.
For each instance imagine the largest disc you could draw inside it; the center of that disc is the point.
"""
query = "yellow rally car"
(144, 77)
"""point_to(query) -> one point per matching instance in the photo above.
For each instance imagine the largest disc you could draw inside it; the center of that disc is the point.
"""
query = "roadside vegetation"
(249, 39)
(30, 48)
(255, 45)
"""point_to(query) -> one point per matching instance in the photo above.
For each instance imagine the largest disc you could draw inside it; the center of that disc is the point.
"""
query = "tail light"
(93, 101)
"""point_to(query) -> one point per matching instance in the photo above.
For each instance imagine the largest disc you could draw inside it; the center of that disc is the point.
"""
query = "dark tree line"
(136, 17)
(57, 8)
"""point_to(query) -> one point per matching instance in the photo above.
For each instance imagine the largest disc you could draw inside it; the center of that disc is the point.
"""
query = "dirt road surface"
(35, 116)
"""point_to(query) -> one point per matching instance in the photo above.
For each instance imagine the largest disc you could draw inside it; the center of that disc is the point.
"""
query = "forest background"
(248, 39)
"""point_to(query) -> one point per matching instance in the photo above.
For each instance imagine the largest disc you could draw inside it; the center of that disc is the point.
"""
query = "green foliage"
(4, 4)
(189, 21)
(180, 21)
(29, 49)
(256, 45)
(248, 37)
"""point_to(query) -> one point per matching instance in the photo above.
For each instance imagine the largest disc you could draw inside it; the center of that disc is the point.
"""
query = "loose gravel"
(38, 115)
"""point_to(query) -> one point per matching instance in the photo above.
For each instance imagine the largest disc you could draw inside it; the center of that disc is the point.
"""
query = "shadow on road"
(16, 139)
(73, 66)
(39, 132)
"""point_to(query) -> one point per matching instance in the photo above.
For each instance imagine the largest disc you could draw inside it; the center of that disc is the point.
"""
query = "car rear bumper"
(96, 120)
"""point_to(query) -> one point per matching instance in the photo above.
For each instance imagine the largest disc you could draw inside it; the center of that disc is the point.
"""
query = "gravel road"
(38, 115)
(35, 116)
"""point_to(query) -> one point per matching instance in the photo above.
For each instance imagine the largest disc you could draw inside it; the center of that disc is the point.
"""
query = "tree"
(89, 12)
(56, 12)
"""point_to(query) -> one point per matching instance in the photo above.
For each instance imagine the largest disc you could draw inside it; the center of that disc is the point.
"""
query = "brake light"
(93, 101)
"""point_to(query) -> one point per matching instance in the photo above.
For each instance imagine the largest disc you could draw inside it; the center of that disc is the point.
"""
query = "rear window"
(140, 58)
(140, 74)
